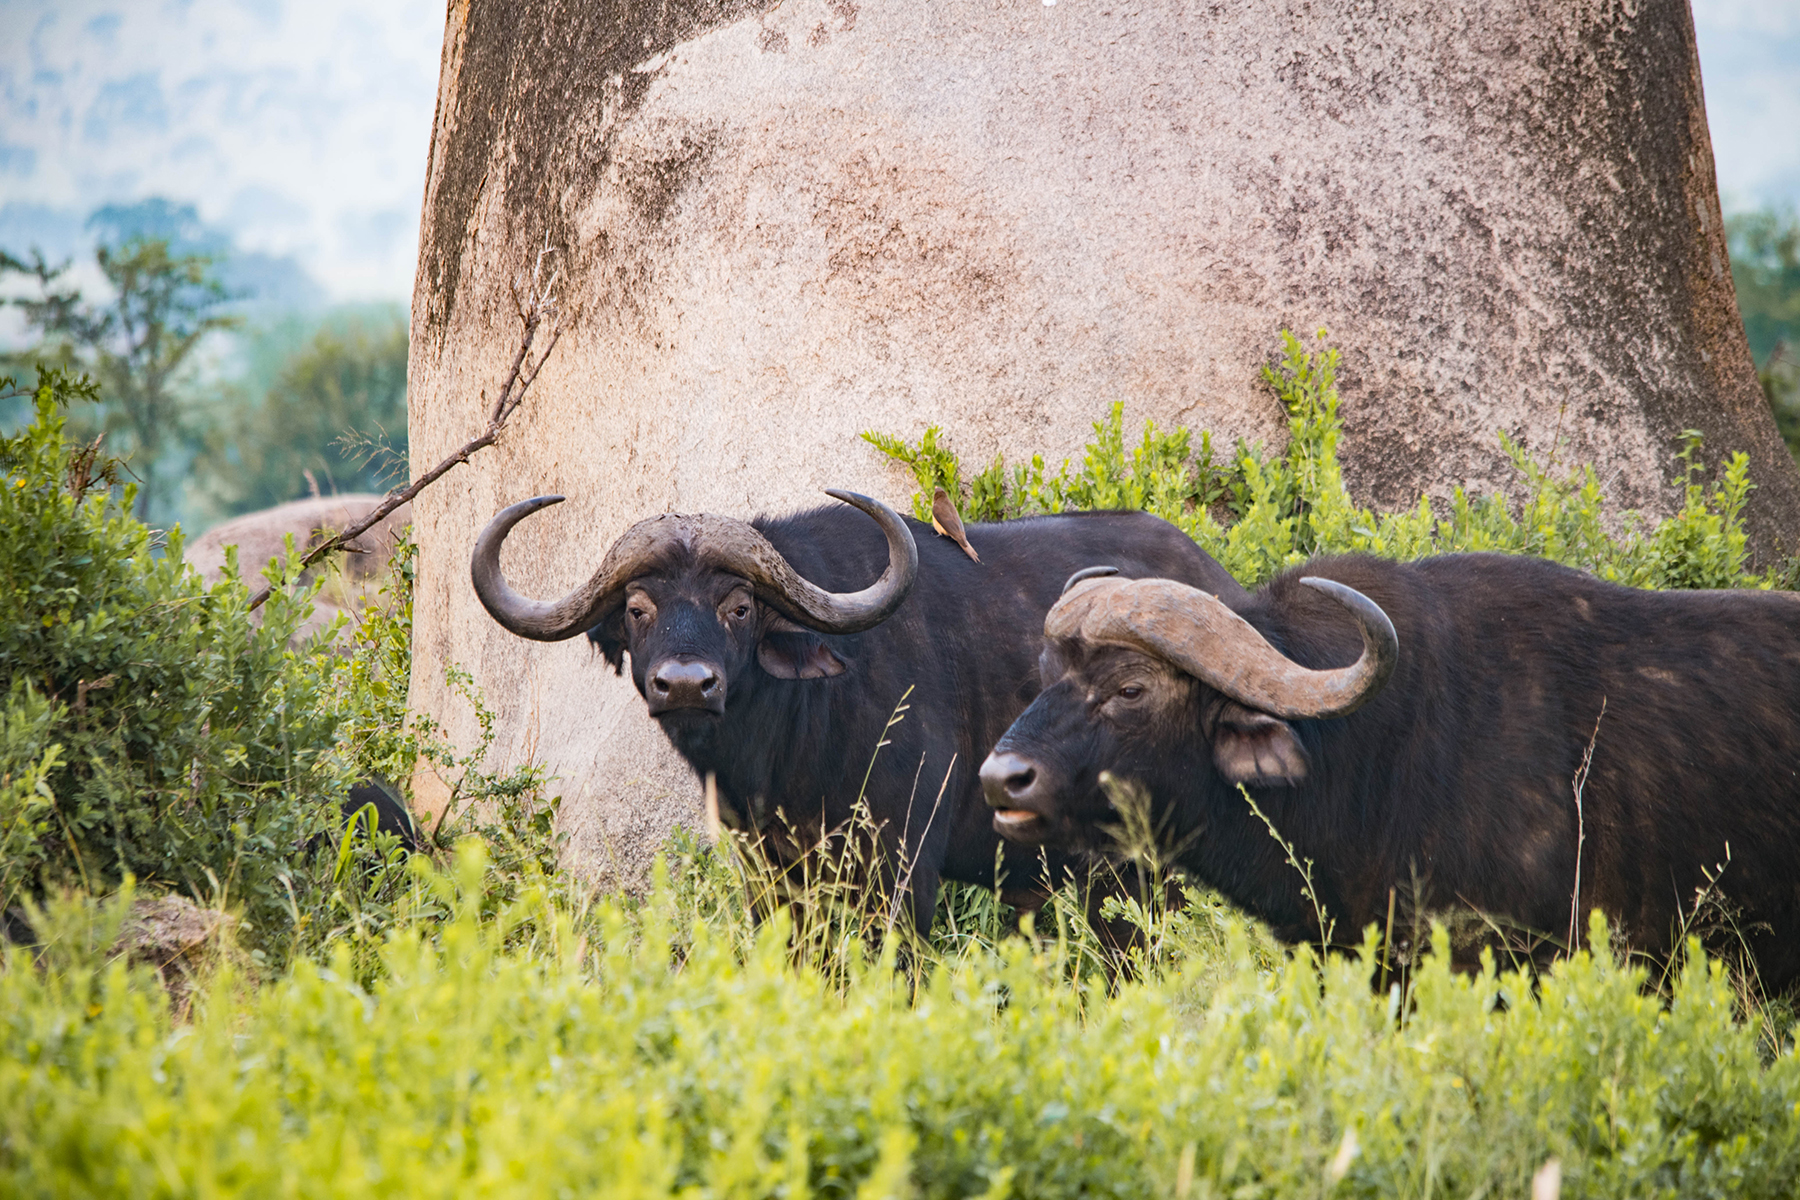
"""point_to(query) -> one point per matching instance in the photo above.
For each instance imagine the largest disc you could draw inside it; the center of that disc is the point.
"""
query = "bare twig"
(1387, 940)
(1580, 785)
(536, 307)
(904, 884)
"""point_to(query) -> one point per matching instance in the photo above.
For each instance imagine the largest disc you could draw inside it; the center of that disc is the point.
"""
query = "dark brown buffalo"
(1418, 729)
(774, 653)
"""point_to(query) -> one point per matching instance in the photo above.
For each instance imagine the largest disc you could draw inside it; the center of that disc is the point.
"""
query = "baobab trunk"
(781, 224)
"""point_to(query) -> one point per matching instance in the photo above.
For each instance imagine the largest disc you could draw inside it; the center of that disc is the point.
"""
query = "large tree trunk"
(781, 224)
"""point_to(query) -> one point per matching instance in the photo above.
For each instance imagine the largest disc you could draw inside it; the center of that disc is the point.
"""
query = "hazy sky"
(1750, 66)
(301, 129)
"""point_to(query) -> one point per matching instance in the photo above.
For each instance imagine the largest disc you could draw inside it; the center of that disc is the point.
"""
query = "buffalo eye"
(1131, 691)
(740, 612)
(637, 614)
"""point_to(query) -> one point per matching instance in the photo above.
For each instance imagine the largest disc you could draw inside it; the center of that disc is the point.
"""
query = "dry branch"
(537, 307)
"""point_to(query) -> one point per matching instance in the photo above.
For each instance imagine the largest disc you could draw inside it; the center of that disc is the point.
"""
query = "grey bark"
(781, 224)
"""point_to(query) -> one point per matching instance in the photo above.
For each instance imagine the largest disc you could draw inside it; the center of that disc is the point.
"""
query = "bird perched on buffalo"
(948, 523)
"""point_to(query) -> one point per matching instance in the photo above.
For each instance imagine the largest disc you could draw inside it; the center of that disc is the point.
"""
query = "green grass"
(639, 1049)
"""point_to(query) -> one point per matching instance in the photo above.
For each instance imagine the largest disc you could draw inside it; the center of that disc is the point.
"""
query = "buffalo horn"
(1087, 573)
(729, 544)
(1198, 633)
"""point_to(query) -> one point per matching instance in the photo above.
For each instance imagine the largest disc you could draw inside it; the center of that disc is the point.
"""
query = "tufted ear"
(1252, 747)
(609, 638)
(787, 651)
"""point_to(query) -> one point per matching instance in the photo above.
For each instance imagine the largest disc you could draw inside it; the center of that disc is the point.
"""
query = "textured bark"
(783, 224)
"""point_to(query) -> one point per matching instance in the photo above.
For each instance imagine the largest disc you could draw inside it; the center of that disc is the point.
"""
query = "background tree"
(1765, 266)
(135, 344)
(332, 420)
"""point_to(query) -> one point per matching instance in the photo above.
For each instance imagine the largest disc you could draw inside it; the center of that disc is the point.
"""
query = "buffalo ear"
(609, 638)
(797, 656)
(790, 651)
(1254, 748)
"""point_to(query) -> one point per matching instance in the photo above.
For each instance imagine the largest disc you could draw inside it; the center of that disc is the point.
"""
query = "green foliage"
(1779, 375)
(296, 404)
(1765, 267)
(150, 726)
(1263, 512)
(332, 420)
(369, 887)
(931, 464)
(632, 1050)
(135, 344)
(370, 697)
(153, 729)
(1160, 475)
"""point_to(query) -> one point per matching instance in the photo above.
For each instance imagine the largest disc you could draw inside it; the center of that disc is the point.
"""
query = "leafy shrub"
(154, 728)
(370, 887)
(592, 1060)
(150, 727)
(1261, 512)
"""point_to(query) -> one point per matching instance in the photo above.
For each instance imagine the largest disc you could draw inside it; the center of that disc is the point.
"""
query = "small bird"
(945, 520)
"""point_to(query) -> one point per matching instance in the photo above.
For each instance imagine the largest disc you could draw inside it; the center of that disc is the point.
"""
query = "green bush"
(1261, 512)
(154, 728)
(151, 726)
(367, 887)
(591, 1060)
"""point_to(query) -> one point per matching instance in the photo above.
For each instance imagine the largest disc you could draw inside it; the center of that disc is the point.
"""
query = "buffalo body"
(1460, 784)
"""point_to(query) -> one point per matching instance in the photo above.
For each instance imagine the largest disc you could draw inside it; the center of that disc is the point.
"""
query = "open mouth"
(1016, 822)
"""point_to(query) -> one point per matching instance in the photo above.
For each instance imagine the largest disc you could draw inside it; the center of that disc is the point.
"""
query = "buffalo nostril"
(685, 683)
(1007, 777)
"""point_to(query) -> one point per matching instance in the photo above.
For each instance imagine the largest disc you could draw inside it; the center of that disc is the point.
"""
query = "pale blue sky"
(301, 129)
(1750, 67)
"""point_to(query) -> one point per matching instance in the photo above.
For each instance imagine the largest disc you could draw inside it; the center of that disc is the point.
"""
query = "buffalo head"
(696, 599)
(1152, 681)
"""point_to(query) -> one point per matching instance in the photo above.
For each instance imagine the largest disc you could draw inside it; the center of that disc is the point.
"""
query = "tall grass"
(650, 1048)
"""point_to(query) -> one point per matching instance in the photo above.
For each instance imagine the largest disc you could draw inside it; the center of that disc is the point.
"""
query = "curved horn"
(1199, 634)
(540, 620)
(732, 544)
(1087, 573)
(739, 548)
(582, 609)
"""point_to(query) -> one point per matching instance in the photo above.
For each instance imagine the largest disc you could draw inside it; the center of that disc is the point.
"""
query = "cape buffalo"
(1544, 743)
(782, 689)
